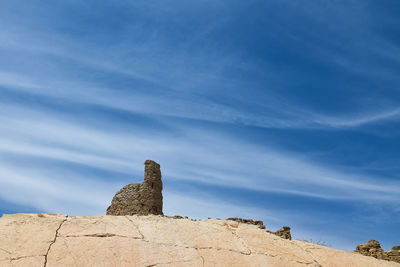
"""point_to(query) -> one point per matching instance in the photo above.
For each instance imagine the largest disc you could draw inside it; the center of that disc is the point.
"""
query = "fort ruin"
(142, 199)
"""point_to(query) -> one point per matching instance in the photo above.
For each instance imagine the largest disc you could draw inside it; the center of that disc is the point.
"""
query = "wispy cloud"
(194, 155)
(276, 114)
(184, 83)
(86, 97)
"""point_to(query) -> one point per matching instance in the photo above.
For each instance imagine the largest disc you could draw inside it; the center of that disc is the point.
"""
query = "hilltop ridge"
(155, 240)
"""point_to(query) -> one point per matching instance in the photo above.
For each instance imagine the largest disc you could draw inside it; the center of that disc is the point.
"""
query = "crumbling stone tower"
(143, 199)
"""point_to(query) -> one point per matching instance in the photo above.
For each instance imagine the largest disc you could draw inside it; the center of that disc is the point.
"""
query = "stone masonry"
(143, 199)
(373, 248)
(284, 233)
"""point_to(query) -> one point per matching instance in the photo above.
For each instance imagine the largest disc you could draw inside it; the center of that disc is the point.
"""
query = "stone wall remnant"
(259, 224)
(142, 199)
(373, 248)
(284, 233)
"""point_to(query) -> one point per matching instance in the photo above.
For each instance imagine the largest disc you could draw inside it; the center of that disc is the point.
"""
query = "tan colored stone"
(34, 261)
(186, 233)
(157, 241)
(119, 251)
(329, 257)
(100, 226)
(280, 252)
(25, 238)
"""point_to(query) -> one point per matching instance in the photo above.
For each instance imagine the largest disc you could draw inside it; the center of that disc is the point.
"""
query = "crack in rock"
(201, 256)
(310, 254)
(243, 243)
(104, 235)
(136, 226)
(197, 248)
(267, 254)
(54, 240)
(20, 257)
(6, 251)
(170, 262)
(315, 261)
(142, 238)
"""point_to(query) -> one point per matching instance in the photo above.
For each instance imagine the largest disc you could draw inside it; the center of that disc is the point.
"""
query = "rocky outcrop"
(58, 240)
(373, 248)
(259, 224)
(145, 198)
(394, 254)
(283, 233)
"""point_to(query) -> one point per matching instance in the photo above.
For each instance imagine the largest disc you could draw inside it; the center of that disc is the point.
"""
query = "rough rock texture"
(373, 248)
(25, 239)
(284, 233)
(260, 224)
(145, 198)
(56, 240)
(394, 255)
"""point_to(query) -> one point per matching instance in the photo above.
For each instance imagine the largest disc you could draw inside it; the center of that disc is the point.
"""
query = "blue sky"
(284, 111)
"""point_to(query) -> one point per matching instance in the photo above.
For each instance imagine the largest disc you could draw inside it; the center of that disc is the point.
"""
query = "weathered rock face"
(394, 254)
(373, 248)
(284, 233)
(260, 224)
(57, 240)
(145, 198)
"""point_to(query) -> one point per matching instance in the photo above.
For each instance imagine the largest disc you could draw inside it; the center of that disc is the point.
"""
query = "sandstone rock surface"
(145, 198)
(58, 240)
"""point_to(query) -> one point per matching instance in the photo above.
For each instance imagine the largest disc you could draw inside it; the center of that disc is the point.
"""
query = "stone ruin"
(259, 224)
(373, 248)
(146, 198)
(283, 233)
(142, 199)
